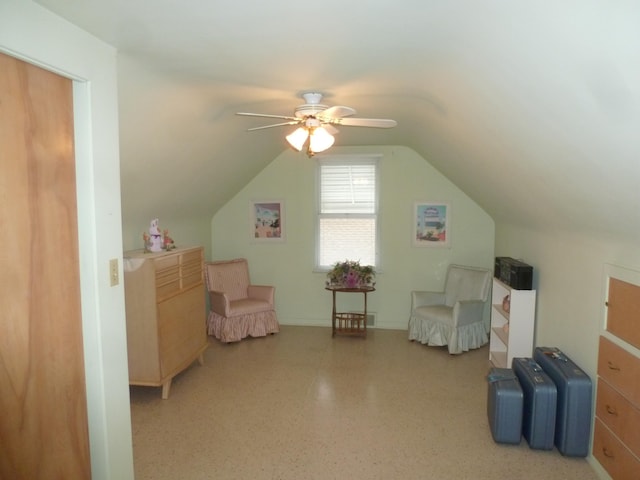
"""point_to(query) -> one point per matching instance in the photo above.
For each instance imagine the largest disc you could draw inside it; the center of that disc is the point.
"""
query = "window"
(347, 210)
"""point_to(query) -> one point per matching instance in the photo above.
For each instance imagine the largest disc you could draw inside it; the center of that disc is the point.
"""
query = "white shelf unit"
(511, 332)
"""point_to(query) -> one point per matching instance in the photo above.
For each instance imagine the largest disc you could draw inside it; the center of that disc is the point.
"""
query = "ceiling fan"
(316, 123)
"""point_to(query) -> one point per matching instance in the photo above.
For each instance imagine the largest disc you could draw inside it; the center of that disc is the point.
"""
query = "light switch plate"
(114, 276)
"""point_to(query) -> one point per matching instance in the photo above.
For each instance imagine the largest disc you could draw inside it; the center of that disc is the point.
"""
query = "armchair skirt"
(436, 333)
(233, 329)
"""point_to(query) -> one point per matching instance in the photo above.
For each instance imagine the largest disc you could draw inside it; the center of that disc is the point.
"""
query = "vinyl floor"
(303, 405)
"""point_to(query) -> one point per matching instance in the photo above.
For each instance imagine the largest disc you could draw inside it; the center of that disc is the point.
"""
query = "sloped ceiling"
(532, 108)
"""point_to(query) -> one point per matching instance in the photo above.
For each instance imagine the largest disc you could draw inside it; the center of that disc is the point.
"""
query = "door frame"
(35, 35)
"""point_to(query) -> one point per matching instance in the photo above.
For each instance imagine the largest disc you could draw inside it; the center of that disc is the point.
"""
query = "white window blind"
(347, 217)
(347, 189)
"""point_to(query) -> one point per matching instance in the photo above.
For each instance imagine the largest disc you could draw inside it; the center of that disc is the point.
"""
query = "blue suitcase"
(504, 406)
(539, 409)
(573, 411)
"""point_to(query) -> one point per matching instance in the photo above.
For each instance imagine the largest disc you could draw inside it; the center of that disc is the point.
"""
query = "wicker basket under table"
(349, 323)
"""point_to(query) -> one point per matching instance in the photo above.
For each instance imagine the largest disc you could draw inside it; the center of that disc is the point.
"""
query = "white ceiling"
(532, 108)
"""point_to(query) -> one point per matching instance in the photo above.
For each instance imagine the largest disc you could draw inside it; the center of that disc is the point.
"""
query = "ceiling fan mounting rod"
(312, 98)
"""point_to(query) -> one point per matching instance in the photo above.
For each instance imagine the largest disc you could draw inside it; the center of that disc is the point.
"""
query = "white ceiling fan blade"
(293, 122)
(336, 112)
(330, 128)
(365, 122)
(266, 115)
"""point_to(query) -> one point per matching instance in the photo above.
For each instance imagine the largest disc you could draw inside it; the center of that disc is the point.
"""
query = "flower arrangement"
(350, 274)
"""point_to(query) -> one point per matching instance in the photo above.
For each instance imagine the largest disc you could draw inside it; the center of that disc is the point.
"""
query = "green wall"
(405, 177)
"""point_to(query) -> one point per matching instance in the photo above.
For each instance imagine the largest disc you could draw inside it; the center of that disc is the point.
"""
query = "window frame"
(347, 159)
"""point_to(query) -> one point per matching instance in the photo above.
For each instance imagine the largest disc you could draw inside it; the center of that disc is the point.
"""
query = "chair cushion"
(466, 284)
(435, 313)
(247, 305)
(230, 277)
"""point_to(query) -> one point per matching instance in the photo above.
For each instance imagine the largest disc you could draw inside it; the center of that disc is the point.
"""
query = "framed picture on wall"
(431, 222)
(267, 220)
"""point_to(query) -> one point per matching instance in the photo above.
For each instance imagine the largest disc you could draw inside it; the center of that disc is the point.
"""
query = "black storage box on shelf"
(512, 272)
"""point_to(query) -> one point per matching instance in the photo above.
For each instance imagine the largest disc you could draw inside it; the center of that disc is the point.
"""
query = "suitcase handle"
(612, 366)
(556, 355)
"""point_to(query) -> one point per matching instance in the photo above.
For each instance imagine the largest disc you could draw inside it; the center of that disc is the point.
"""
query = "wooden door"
(43, 411)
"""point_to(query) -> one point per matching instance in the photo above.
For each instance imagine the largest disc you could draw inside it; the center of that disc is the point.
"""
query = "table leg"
(333, 316)
(365, 313)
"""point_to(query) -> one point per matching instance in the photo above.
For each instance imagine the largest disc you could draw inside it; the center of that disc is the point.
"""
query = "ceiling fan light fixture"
(297, 138)
(320, 140)
(317, 122)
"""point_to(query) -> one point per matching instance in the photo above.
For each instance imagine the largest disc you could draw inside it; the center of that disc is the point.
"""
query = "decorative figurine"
(167, 241)
(506, 303)
(146, 240)
(155, 240)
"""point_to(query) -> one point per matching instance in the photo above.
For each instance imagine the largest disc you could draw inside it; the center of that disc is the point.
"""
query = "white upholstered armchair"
(452, 317)
(237, 308)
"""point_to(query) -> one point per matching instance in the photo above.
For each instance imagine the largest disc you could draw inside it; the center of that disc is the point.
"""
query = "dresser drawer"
(191, 280)
(192, 256)
(167, 290)
(191, 268)
(167, 282)
(167, 261)
(617, 460)
(168, 274)
(620, 369)
(619, 415)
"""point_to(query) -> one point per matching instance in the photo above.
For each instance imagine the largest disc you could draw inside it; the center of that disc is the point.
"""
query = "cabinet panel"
(619, 415)
(623, 311)
(617, 460)
(620, 369)
(181, 325)
(142, 331)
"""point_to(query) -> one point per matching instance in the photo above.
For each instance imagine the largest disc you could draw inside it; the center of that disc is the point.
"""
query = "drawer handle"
(608, 453)
(612, 366)
(611, 410)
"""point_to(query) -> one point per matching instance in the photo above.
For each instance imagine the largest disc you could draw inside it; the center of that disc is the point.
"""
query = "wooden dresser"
(166, 314)
(616, 441)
